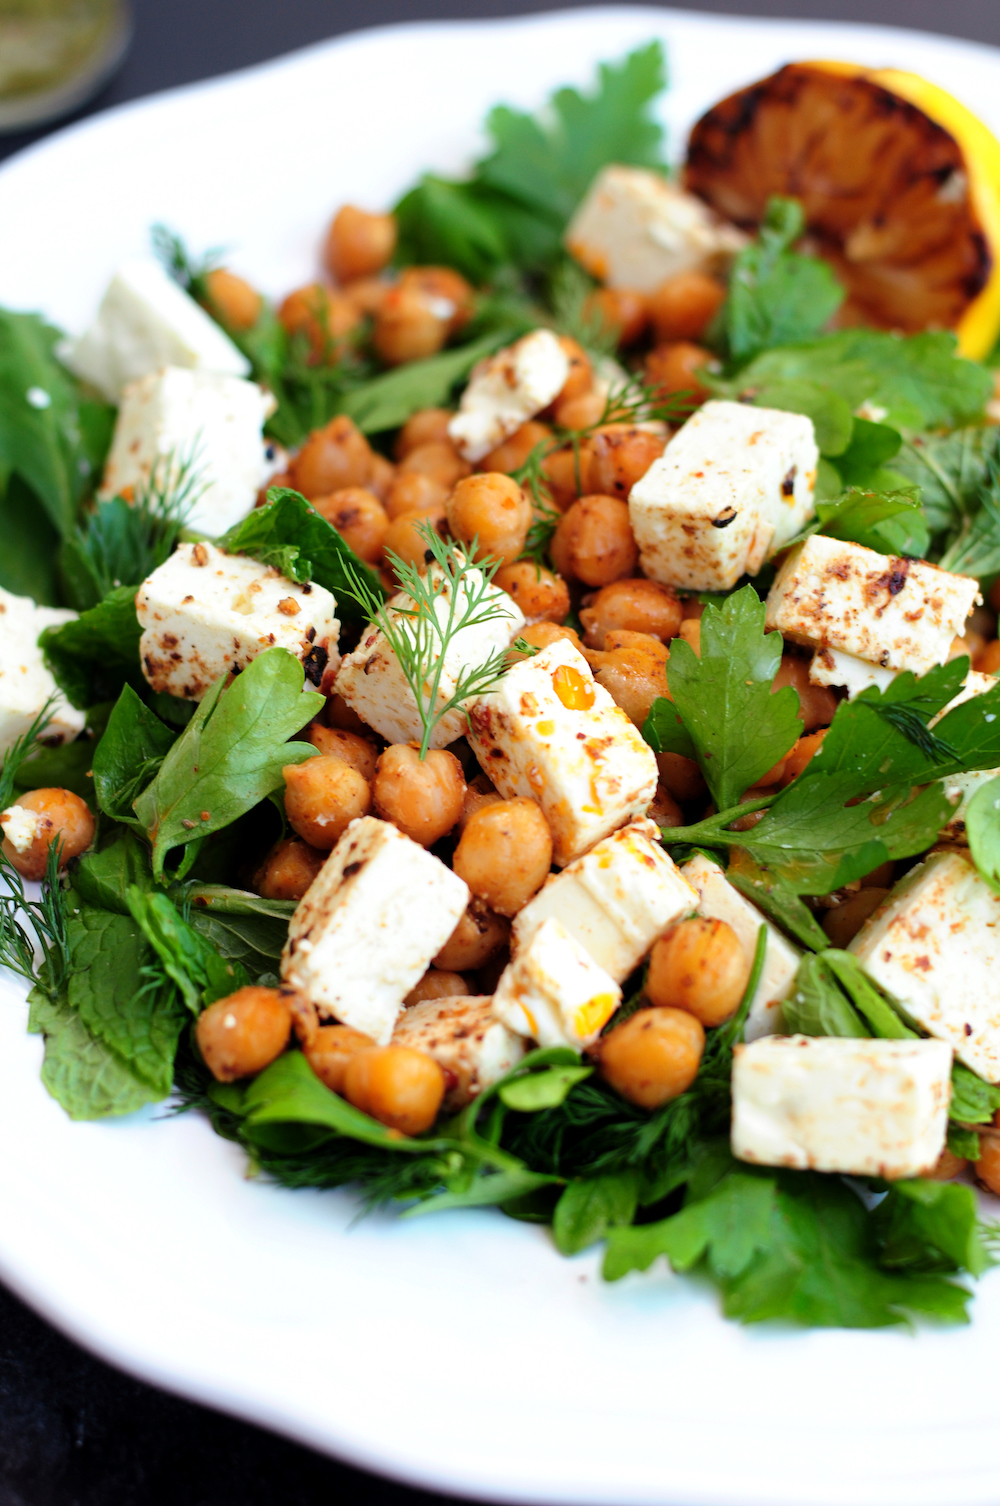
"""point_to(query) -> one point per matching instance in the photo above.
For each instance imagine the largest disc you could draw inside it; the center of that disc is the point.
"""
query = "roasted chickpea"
(639, 606)
(581, 374)
(632, 667)
(664, 809)
(580, 412)
(423, 797)
(288, 869)
(332, 458)
(37, 819)
(654, 1056)
(339, 714)
(681, 776)
(407, 327)
(594, 541)
(621, 312)
(359, 518)
(479, 935)
(413, 492)
(514, 451)
(540, 635)
(987, 1168)
(674, 369)
(562, 472)
(614, 458)
(337, 742)
(699, 965)
(437, 984)
(801, 753)
(479, 792)
(505, 853)
(684, 306)
(380, 477)
(946, 1167)
(324, 317)
(438, 459)
(243, 1033)
(988, 661)
(492, 509)
(232, 298)
(329, 1048)
(445, 290)
(322, 796)
(396, 1085)
(881, 877)
(541, 595)
(843, 922)
(426, 426)
(817, 703)
(367, 293)
(405, 535)
(359, 244)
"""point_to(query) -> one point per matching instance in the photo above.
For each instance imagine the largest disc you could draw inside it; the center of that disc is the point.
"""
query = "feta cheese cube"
(635, 229)
(204, 613)
(376, 913)
(506, 390)
(554, 992)
(465, 1038)
(145, 321)
(26, 683)
(615, 900)
(822, 1103)
(892, 613)
(934, 945)
(21, 826)
(550, 732)
(730, 489)
(371, 679)
(173, 417)
(718, 899)
(847, 672)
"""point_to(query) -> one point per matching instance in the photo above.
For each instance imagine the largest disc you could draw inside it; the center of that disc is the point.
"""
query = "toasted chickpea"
(594, 541)
(332, 458)
(404, 535)
(683, 307)
(817, 703)
(801, 753)
(946, 1167)
(621, 311)
(988, 661)
(322, 796)
(673, 369)
(367, 293)
(407, 328)
(329, 1048)
(57, 815)
(381, 475)
(324, 317)
(437, 984)
(438, 459)
(881, 877)
(232, 298)
(614, 458)
(681, 776)
(561, 471)
(505, 853)
(580, 412)
(987, 1168)
(441, 286)
(288, 869)
(422, 797)
(479, 792)
(843, 922)
(699, 965)
(640, 606)
(351, 748)
(581, 374)
(664, 809)
(243, 1033)
(359, 244)
(514, 451)
(339, 714)
(540, 635)
(492, 509)
(412, 492)
(479, 935)
(396, 1085)
(539, 593)
(654, 1056)
(359, 518)
(632, 667)
(426, 426)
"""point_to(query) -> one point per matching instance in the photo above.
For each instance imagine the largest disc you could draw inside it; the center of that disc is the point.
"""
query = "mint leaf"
(975, 549)
(102, 878)
(128, 756)
(93, 656)
(83, 1073)
(777, 296)
(197, 968)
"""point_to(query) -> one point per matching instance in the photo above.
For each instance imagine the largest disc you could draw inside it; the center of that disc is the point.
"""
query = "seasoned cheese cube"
(635, 228)
(731, 488)
(718, 899)
(615, 900)
(551, 733)
(893, 613)
(822, 1103)
(934, 944)
(554, 992)
(466, 1039)
(372, 681)
(146, 321)
(204, 613)
(376, 913)
(173, 417)
(847, 672)
(506, 390)
(26, 683)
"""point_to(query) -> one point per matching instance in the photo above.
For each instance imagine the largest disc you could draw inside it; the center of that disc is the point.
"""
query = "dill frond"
(171, 252)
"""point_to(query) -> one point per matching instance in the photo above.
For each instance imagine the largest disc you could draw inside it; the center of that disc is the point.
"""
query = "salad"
(516, 723)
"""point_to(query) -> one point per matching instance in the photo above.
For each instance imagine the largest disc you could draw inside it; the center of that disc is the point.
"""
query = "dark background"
(74, 1432)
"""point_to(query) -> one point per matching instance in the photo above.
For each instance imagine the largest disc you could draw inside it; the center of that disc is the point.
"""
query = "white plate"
(458, 1351)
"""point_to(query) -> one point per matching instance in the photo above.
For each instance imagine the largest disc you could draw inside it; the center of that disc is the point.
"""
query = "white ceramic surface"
(457, 1351)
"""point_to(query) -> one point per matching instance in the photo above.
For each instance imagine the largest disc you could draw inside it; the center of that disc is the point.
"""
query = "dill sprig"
(569, 289)
(975, 549)
(185, 269)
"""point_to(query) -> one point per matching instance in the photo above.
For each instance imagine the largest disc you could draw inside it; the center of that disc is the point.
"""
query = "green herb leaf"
(542, 1090)
(201, 974)
(818, 1005)
(39, 434)
(777, 898)
(949, 469)
(930, 1226)
(454, 225)
(731, 1226)
(103, 878)
(387, 401)
(83, 1073)
(31, 543)
(588, 1209)
(982, 829)
(891, 522)
(488, 1190)
(870, 447)
(93, 656)
(665, 731)
(975, 549)
(128, 756)
(776, 296)
(973, 1101)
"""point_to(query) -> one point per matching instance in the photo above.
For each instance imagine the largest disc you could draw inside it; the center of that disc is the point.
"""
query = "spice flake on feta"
(470, 1044)
(26, 682)
(554, 992)
(506, 390)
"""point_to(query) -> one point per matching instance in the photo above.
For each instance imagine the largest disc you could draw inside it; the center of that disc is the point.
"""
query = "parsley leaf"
(777, 296)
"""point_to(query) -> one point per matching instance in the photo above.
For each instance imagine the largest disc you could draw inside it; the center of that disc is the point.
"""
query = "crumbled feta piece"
(730, 489)
(554, 992)
(615, 900)
(822, 1103)
(378, 911)
(893, 613)
(960, 788)
(205, 613)
(372, 681)
(175, 417)
(26, 683)
(831, 667)
(718, 899)
(635, 229)
(465, 1038)
(506, 390)
(934, 944)
(146, 321)
(551, 733)
(21, 826)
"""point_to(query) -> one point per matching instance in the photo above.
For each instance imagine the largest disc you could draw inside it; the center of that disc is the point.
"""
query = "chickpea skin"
(581, 374)
(412, 492)
(437, 984)
(328, 1050)
(594, 541)
(426, 426)
(684, 306)
(492, 509)
(843, 922)
(349, 746)
(339, 714)
(680, 776)
(505, 853)
(614, 458)
(654, 1056)
(288, 869)
(359, 244)
(514, 451)
(243, 1033)
(57, 815)
(580, 412)
(637, 605)
(324, 317)
(397, 1085)
(478, 792)
(987, 1167)
(236, 303)
(442, 286)
(673, 368)
(479, 935)
(806, 748)
(322, 796)
(359, 518)
(699, 965)
(632, 667)
(332, 458)
(540, 635)
(562, 475)
(422, 797)
(407, 328)
(541, 595)
(405, 535)
(946, 1167)
(817, 703)
(622, 312)
(438, 459)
